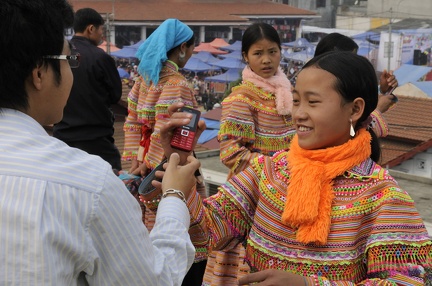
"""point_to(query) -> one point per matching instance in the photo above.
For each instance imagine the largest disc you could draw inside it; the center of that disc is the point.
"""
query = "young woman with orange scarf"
(324, 212)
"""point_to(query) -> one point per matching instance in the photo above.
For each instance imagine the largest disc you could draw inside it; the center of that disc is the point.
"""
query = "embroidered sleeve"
(237, 133)
(229, 213)
(379, 124)
(131, 127)
(398, 249)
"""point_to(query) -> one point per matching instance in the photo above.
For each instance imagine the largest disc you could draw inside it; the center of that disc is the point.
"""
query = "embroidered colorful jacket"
(376, 238)
(379, 124)
(250, 126)
(148, 106)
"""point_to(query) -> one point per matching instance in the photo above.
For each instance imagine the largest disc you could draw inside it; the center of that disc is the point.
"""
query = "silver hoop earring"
(182, 56)
(352, 132)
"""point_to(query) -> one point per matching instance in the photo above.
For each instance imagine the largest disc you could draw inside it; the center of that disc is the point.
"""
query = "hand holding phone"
(390, 92)
(184, 136)
(146, 189)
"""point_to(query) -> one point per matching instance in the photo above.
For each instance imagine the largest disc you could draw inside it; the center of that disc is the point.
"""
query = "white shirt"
(65, 218)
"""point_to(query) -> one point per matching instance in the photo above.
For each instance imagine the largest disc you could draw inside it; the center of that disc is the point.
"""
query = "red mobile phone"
(184, 136)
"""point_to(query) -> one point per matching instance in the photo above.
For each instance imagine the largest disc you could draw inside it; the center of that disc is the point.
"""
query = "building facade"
(129, 21)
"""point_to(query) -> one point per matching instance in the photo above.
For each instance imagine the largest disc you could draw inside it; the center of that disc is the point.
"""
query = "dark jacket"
(95, 88)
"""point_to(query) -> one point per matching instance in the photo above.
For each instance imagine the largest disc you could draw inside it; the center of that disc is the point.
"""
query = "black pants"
(103, 147)
(195, 275)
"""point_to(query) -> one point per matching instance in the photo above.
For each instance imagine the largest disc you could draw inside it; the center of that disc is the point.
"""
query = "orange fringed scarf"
(310, 191)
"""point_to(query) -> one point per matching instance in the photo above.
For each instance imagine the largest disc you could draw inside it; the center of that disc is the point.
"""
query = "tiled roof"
(189, 11)
(411, 119)
(214, 114)
(410, 124)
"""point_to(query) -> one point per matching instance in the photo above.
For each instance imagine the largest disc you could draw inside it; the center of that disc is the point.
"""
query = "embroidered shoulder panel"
(370, 213)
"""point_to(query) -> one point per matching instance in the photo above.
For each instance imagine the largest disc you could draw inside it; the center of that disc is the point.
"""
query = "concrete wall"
(420, 165)
(351, 22)
(419, 9)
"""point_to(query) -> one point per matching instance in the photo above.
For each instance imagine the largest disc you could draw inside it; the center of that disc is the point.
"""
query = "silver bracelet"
(175, 192)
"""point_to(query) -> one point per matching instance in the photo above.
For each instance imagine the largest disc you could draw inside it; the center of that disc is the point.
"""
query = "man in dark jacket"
(88, 121)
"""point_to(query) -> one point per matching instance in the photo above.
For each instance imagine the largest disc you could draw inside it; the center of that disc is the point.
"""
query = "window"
(320, 3)
(420, 164)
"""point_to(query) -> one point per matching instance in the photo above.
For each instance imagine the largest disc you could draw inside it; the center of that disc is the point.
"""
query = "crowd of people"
(305, 201)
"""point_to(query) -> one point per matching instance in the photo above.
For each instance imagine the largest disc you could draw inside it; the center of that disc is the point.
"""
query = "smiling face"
(321, 117)
(263, 57)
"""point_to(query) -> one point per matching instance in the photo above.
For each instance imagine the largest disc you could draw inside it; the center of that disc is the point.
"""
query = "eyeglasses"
(73, 60)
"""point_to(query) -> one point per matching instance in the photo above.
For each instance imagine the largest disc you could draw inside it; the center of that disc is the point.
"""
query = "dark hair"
(189, 43)
(85, 17)
(29, 30)
(256, 32)
(355, 77)
(335, 42)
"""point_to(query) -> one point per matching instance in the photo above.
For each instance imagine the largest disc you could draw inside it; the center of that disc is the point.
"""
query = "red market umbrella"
(208, 48)
(104, 46)
(218, 42)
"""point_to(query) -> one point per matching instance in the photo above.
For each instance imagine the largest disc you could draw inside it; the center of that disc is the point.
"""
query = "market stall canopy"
(410, 73)
(236, 46)
(125, 53)
(112, 47)
(299, 43)
(227, 77)
(197, 65)
(218, 43)
(302, 56)
(309, 51)
(208, 48)
(425, 87)
(128, 51)
(234, 54)
(367, 36)
(123, 73)
(365, 48)
(206, 57)
(230, 63)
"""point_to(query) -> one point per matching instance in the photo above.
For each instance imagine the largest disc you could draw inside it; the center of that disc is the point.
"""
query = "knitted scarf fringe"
(310, 191)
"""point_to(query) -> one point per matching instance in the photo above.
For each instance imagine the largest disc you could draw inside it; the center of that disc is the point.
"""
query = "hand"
(138, 168)
(178, 177)
(272, 277)
(177, 119)
(384, 102)
(387, 81)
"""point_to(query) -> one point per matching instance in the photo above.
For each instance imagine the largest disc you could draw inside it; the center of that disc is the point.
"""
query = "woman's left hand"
(387, 81)
(272, 277)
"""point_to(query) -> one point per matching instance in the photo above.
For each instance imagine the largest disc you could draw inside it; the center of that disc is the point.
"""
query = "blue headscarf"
(153, 52)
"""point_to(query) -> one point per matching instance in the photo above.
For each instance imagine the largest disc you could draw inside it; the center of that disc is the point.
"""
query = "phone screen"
(193, 121)
(184, 137)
